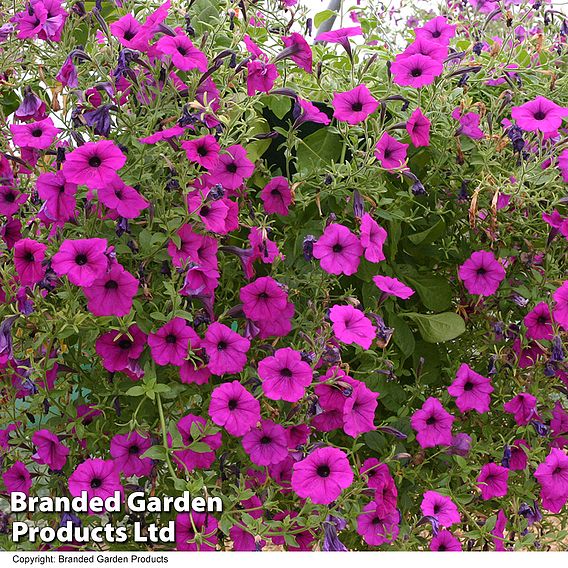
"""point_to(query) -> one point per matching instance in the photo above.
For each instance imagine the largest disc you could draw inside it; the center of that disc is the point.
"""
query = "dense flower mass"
(320, 274)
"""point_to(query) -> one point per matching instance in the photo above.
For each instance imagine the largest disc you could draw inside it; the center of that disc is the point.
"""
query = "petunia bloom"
(170, 343)
(225, 348)
(350, 325)
(50, 450)
(433, 424)
(481, 273)
(354, 106)
(540, 114)
(471, 390)
(373, 237)
(441, 507)
(234, 408)
(338, 250)
(393, 287)
(81, 260)
(492, 481)
(390, 153)
(112, 294)
(266, 444)
(418, 128)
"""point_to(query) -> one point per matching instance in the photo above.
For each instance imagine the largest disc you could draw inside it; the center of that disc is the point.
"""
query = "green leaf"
(279, 105)
(438, 328)
(322, 16)
(199, 447)
(135, 391)
(430, 234)
(318, 149)
(155, 453)
(402, 336)
(434, 291)
(256, 148)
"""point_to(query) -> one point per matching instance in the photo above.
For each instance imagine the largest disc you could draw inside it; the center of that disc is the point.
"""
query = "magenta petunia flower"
(338, 250)
(552, 475)
(225, 348)
(284, 375)
(118, 350)
(471, 390)
(539, 322)
(94, 164)
(339, 35)
(418, 128)
(380, 480)
(298, 50)
(311, 113)
(437, 30)
(11, 232)
(182, 53)
(191, 525)
(482, 273)
(263, 298)
(416, 70)
(498, 532)
(266, 443)
(373, 237)
(441, 507)
(126, 29)
(127, 449)
(560, 311)
(322, 475)
(10, 200)
(189, 458)
(99, 478)
(378, 527)
(194, 247)
(260, 77)
(112, 294)
(393, 287)
(519, 459)
(58, 194)
(81, 260)
(469, 124)
(17, 478)
(445, 541)
(203, 151)
(390, 153)
(170, 343)
(277, 196)
(522, 407)
(433, 424)
(540, 114)
(359, 411)
(50, 451)
(38, 135)
(28, 261)
(425, 47)
(233, 167)
(354, 106)
(122, 198)
(234, 408)
(493, 481)
(350, 325)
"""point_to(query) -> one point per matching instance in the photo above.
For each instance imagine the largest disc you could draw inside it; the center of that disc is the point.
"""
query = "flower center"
(128, 35)
(233, 404)
(232, 167)
(133, 450)
(481, 271)
(323, 471)
(286, 372)
(94, 161)
(29, 256)
(337, 248)
(539, 115)
(221, 346)
(182, 51)
(125, 343)
(171, 338)
(436, 34)
(10, 197)
(431, 421)
(541, 320)
(265, 440)
(202, 151)
(37, 132)
(111, 285)
(357, 107)
(81, 259)
(468, 386)
(416, 72)
(96, 482)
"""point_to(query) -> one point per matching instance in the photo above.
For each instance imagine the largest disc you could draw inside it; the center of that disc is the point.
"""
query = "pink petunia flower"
(393, 287)
(373, 237)
(338, 250)
(17, 478)
(437, 30)
(118, 350)
(540, 114)
(182, 53)
(350, 325)
(354, 106)
(539, 322)
(445, 541)
(189, 458)
(203, 151)
(81, 260)
(284, 375)
(266, 444)
(441, 507)
(50, 450)
(58, 194)
(471, 390)
(28, 261)
(376, 526)
(418, 128)
(482, 273)
(233, 167)
(277, 196)
(492, 481)
(416, 70)
(188, 526)
(260, 77)
(234, 408)
(560, 311)
(39, 135)
(225, 348)
(322, 475)
(112, 294)
(522, 407)
(99, 478)
(127, 449)
(433, 424)
(122, 198)
(390, 153)
(94, 164)
(170, 343)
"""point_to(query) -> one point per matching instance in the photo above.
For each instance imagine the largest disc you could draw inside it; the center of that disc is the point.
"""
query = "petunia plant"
(319, 275)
